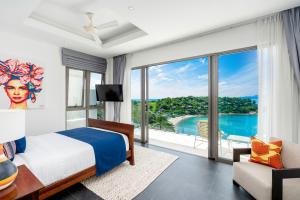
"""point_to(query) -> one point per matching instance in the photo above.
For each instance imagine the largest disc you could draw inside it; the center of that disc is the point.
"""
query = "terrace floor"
(187, 144)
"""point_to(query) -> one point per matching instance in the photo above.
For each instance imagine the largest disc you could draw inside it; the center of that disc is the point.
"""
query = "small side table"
(26, 186)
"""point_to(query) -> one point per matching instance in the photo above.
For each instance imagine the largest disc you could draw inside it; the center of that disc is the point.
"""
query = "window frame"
(67, 89)
(85, 95)
(215, 103)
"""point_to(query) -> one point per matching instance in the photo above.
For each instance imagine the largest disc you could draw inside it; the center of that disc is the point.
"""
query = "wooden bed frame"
(125, 129)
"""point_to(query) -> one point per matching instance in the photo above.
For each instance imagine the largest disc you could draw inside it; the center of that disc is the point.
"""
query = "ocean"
(230, 124)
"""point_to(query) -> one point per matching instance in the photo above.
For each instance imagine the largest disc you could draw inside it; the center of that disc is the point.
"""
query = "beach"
(176, 120)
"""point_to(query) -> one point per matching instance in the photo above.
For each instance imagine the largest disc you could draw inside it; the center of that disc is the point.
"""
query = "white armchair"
(266, 183)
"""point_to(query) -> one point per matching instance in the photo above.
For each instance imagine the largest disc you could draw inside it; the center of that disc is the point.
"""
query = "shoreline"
(176, 120)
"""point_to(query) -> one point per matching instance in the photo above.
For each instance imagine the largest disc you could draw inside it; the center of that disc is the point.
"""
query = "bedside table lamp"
(12, 127)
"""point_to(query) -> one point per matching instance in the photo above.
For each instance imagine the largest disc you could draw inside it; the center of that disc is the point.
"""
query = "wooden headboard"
(126, 129)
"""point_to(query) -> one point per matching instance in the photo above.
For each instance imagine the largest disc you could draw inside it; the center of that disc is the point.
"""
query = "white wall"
(234, 38)
(52, 116)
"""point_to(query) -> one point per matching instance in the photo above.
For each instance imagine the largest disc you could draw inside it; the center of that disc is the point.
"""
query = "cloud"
(190, 78)
(177, 89)
(203, 60)
(244, 82)
(222, 83)
(156, 68)
(184, 68)
(163, 76)
(203, 77)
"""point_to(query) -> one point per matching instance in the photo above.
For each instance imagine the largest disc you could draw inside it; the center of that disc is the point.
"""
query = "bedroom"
(54, 53)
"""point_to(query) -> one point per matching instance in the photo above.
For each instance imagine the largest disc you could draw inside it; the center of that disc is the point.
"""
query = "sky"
(238, 76)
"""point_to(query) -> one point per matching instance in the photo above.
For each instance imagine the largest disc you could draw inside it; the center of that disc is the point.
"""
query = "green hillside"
(163, 109)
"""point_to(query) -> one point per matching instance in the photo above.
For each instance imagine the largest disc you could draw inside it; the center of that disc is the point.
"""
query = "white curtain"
(279, 108)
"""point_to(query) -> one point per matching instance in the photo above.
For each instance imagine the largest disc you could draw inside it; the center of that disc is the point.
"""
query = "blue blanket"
(109, 148)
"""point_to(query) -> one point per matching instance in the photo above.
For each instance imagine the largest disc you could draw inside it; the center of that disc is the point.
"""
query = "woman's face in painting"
(16, 91)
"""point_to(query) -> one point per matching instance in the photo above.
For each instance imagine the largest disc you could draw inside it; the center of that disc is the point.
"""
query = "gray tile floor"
(188, 178)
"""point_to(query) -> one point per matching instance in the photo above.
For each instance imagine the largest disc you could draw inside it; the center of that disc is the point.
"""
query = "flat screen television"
(109, 92)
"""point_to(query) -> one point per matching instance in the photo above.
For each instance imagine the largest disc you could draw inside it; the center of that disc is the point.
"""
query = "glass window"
(178, 105)
(82, 99)
(170, 103)
(97, 113)
(95, 79)
(76, 119)
(176, 101)
(75, 88)
(136, 113)
(238, 100)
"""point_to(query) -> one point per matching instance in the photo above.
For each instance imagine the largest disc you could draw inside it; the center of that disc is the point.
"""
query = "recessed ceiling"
(142, 23)
(71, 16)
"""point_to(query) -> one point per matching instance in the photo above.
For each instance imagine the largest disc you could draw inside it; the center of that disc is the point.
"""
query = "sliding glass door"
(139, 104)
(237, 100)
(170, 104)
(136, 105)
(205, 105)
(178, 105)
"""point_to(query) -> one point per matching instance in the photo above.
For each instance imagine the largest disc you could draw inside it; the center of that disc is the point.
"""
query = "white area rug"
(126, 181)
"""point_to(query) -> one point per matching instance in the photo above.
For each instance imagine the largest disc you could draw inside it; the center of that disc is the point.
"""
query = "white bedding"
(18, 160)
(52, 157)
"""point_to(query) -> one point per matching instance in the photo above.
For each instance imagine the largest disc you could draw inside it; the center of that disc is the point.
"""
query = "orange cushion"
(266, 153)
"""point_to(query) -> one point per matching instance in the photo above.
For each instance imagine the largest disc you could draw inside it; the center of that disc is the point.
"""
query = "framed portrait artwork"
(21, 85)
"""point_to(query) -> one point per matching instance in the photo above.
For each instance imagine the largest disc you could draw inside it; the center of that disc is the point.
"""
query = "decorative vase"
(8, 170)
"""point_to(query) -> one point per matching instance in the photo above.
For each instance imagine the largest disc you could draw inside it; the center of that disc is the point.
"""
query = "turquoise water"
(243, 125)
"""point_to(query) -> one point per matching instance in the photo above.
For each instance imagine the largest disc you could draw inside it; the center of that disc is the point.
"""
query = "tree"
(163, 109)
(158, 120)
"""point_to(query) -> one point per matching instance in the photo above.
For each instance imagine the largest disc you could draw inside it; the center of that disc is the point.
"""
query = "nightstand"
(26, 186)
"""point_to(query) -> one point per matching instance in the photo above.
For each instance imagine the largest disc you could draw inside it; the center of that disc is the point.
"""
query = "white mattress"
(52, 157)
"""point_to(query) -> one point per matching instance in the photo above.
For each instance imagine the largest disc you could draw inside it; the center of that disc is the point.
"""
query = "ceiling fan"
(93, 30)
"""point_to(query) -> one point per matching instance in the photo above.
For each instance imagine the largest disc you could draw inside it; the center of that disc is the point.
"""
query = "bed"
(65, 161)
